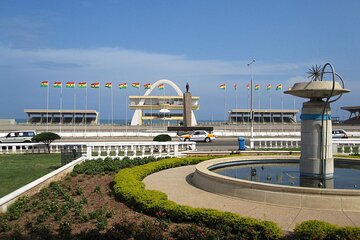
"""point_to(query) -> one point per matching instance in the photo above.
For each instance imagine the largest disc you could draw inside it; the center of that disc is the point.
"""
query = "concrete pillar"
(314, 138)
(187, 100)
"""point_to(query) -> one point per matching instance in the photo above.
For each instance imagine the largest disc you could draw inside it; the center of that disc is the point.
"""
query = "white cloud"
(115, 64)
(119, 60)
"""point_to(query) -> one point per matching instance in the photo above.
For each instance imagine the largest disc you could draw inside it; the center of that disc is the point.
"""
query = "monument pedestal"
(314, 138)
(187, 109)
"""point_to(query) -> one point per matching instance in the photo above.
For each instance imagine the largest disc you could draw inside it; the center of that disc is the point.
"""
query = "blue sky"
(205, 43)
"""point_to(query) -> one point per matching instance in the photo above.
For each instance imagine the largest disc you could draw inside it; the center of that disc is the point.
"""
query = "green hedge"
(108, 165)
(130, 188)
(162, 138)
(319, 230)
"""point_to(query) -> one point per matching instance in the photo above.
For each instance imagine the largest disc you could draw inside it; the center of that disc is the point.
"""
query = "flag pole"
(112, 111)
(225, 108)
(86, 107)
(47, 108)
(282, 112)
(151, 111)
(258, 95)
(126, 113)
(270, 120)
(236, 119)
(61, 116)
(74, 120)
(164, 102)
(138, 126)
(99, 109)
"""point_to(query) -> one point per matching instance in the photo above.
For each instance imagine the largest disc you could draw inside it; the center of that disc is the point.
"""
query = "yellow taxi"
(198, 136)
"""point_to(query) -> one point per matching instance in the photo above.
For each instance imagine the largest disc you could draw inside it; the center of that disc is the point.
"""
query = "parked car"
(198, 136)
(18, 137)
(339, 133)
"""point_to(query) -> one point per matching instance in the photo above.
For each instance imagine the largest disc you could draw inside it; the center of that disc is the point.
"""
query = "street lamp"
(251, 100)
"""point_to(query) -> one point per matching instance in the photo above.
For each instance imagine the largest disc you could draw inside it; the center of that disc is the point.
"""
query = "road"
(219, 144)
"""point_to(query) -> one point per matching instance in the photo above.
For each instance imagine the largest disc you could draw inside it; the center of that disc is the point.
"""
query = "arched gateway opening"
(165, 108)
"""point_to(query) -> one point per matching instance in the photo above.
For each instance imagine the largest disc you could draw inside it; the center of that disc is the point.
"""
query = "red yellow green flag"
(268, 87)
(95, 85)
(279, 87)
(257, 87)
(123, 85)
(147, 86)
(44, 84)
(108, 85)
(70, 84)
(57, 84)
(82, 85)
(223, 86)
(248, 86)
(161, 87)
(135, 85)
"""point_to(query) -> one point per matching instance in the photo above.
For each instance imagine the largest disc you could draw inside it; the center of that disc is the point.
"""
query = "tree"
(46, 138)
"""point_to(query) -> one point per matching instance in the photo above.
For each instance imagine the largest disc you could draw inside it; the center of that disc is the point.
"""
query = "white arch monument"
(137, 116)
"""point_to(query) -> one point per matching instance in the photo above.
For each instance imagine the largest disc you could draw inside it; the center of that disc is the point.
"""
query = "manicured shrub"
(162, 138)
(319, 230)
(108, 165)
(46, 138)
(130, 188)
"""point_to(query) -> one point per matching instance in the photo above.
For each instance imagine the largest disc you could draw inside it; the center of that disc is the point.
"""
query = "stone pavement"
(176, 184)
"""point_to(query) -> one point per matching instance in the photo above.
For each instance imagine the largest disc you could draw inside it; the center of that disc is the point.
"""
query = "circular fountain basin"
(316, 89)
(302, 197)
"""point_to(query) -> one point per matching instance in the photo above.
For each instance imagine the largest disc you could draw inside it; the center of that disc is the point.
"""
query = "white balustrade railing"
(105, 149)
(340, 145)
(274, 143)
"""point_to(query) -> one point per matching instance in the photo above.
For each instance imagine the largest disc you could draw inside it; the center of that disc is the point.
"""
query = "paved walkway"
(176, 184)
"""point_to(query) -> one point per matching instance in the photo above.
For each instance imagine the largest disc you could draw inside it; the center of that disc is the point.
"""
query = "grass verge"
(18, 170)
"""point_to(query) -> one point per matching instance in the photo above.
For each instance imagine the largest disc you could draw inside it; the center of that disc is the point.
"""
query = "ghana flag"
(44, 84)
(95, 85)
(248, 86)
(223, 86)
(161, 86)
(279, 87)
(257, 87)
(123, 85)
(82, 85)
(57, 84)
(147, 86)
(135, 84)
(70, 84)
(268, 87)
(108, 85)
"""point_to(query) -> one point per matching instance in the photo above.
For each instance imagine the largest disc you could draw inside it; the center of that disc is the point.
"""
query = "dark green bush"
(109, 165)
(46, 138)
(319, 230)
(162, 138)
(130, 188)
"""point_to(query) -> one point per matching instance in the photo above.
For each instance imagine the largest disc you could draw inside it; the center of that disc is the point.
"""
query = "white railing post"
(251, 143)
(89, 152)
(126, 151)
(176, 150)
(142, 151)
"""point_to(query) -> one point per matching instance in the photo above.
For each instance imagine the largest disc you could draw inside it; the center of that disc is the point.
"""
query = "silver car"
(18, 137)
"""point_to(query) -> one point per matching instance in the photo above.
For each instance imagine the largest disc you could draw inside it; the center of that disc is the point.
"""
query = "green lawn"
(18, 170)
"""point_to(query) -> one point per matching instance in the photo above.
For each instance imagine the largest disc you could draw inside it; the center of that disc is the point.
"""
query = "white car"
(18, 137)
(339, 133)
(198, 136)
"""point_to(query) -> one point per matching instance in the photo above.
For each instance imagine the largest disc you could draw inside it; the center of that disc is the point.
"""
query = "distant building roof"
(63, 111)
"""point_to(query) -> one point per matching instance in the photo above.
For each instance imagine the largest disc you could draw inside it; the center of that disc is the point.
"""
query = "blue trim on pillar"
(315, 117)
